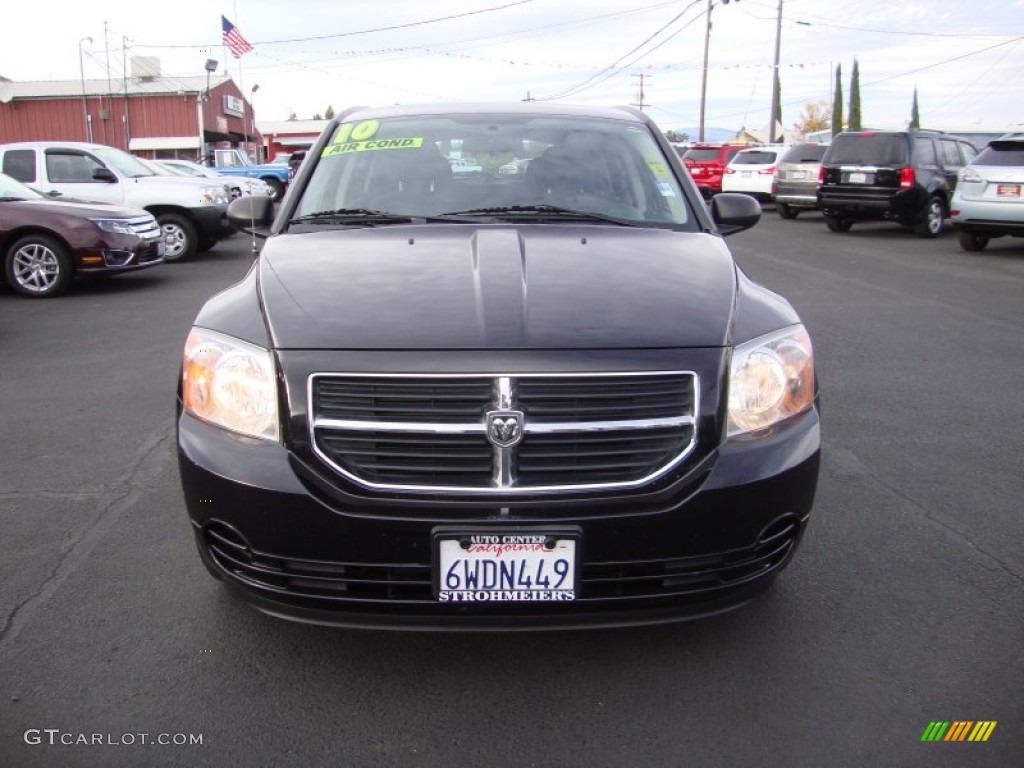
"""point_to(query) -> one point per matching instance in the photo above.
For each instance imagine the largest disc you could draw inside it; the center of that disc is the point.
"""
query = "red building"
(148, 115)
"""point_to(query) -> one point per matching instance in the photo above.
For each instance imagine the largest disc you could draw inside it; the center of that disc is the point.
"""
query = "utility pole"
(775, 77)
(704, 72)
(640, 97)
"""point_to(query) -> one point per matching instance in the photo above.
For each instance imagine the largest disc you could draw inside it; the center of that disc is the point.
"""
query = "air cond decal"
(358, 137)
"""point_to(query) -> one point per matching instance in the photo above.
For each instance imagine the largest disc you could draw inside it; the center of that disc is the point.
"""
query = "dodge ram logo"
(504, 428)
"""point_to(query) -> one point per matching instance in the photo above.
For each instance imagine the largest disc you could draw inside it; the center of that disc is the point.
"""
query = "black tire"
(276, 189)
(971, 241)
(786, 211)
(838, 225)
(180, 236)
(38, 266)
(933, 218)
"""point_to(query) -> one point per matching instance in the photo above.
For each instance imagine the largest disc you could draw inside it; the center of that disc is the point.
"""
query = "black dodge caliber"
(533, 392)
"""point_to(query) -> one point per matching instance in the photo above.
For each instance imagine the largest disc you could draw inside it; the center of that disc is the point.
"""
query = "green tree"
(778, 109)
(318, 116)
(292, 116)
(837, 102)
(329, 114)
(676, 137)
(915, 113)
(854, 123)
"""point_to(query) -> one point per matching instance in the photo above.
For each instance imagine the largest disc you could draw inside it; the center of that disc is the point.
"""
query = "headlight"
(215, 194)
(230, 383)
(121, 226)
(770, 379)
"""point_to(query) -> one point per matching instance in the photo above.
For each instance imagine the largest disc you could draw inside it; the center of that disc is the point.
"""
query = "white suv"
(191, 212)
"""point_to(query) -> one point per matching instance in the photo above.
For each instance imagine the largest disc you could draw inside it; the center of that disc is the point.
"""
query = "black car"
(904, 176)
(494, 401)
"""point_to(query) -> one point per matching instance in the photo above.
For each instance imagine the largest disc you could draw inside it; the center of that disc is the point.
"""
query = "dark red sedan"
(46, 243)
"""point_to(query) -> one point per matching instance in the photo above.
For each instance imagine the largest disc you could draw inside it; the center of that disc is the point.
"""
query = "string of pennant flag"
(239, 46)
(534, 63)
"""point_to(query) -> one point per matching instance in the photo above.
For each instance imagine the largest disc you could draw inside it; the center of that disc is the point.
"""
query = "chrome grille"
(429, 433)
(145, 227)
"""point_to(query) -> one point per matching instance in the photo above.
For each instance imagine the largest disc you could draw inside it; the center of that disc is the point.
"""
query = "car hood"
(74, 207)
(455, 286)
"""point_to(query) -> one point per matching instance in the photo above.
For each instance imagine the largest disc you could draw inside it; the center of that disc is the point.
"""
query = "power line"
(366, 31)
(581, 86)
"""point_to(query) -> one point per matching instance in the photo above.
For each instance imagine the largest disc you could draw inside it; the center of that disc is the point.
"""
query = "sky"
(966, 59)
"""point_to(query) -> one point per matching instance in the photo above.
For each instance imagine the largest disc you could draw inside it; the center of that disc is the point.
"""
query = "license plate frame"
(525, 575)
(857, 177)
(1008, 190)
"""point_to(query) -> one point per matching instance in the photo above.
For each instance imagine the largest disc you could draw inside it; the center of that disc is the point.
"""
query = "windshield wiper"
(543, 212)
(352, 216)
(13, 199)
(368, 216)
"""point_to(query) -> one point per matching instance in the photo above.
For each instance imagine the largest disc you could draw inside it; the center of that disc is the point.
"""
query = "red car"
(706, 164)
(45, 243)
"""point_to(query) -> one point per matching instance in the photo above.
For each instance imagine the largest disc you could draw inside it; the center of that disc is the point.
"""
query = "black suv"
(905, 176)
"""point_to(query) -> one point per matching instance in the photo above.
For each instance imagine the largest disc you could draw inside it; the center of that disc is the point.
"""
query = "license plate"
(519, 567)
(1008, 190)
(745, 174)
(797, 175)
(161, 247)
(858, 178)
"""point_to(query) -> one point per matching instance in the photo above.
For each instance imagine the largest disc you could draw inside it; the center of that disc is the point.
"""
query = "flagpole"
(241, 89)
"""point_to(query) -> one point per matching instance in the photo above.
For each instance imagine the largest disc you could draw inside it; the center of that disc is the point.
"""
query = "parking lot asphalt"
(904, 606)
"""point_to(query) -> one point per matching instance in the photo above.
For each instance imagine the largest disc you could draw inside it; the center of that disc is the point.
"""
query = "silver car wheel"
(36, 268)
(175, 238)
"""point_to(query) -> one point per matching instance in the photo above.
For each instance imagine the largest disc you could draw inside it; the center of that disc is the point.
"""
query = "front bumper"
(212, 222)
(297, 544)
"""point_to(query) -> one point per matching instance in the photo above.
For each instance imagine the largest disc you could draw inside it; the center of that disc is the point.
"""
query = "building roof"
(61, 89)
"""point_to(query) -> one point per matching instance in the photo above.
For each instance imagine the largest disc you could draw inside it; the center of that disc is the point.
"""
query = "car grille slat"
(430, 432)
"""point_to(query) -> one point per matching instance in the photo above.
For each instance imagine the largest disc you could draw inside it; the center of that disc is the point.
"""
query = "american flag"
(233, 39)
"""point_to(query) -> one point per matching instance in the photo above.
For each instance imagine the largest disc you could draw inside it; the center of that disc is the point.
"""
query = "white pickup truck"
(191, 212)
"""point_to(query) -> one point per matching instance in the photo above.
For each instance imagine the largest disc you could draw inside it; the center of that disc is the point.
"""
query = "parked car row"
(191, 212)
(917, 178)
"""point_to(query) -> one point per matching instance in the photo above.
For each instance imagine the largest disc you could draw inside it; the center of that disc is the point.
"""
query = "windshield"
(123, 163)
(498, 167)
(702, 155)
(805, 153)
(755, 157)
(15, 190)
(868, 149)
(1003, 153)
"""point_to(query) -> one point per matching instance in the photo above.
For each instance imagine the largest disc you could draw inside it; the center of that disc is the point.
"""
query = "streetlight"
(252, 114)
(210, 67)
(81, 73)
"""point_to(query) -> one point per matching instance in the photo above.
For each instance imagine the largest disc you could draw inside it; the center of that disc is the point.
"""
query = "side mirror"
(733, 212)
(252, 214)
(104, 174)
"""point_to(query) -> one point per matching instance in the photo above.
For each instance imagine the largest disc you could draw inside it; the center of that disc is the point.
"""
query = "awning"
(295, 141)
(163, 142)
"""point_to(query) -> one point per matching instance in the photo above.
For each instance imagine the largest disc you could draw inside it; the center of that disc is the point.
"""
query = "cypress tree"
(915, 113)
(854, 123)
(837, 102)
